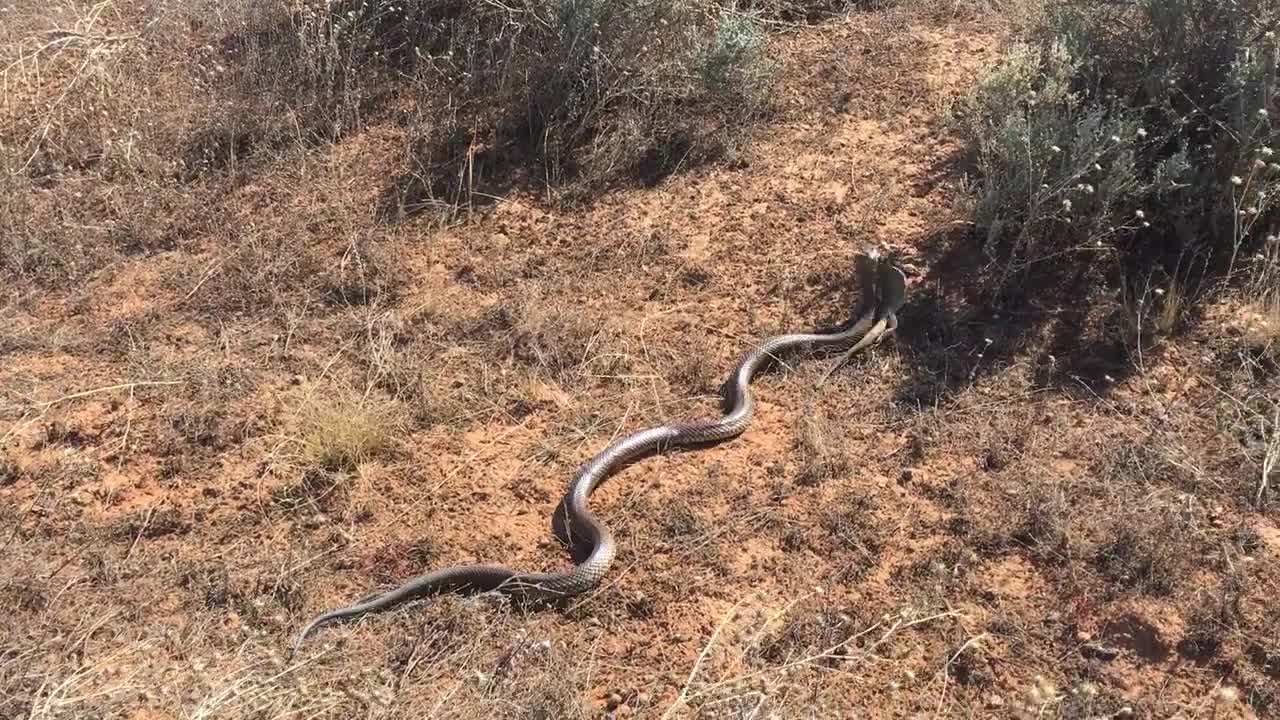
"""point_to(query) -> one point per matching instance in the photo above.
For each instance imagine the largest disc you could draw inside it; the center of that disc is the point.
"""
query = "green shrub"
(1140, 133)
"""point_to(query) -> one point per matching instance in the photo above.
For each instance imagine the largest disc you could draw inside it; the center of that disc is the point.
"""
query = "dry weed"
(1262, 321)
(822, 456)
(338, 429)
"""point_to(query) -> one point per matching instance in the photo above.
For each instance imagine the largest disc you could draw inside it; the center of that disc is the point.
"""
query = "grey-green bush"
(1136, 133)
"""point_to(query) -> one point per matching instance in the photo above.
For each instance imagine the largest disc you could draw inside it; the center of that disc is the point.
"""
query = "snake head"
(892, 288)
(884, 287)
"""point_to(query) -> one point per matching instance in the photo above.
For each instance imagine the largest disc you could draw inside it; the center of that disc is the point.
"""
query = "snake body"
(593, 546)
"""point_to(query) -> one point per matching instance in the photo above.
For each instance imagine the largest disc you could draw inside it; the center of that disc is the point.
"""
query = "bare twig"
(1271, 456)
(109, 388)
(208, 273)
(683, 697)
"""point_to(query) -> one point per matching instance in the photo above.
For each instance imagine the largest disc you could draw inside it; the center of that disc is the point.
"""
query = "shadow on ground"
(956, 330)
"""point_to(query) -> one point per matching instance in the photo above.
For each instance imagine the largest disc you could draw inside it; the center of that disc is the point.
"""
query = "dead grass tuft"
(1262, 322)
(338, 429)
(856, 537)
(822, 456)
(1044, 523)
(9, 471)
(1213, 619)
(1151, 548)
(560, 341)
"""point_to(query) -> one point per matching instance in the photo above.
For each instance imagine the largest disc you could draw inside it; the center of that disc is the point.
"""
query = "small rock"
(995, 701)
(614, 701)
(1099, 652)
(1083, 636)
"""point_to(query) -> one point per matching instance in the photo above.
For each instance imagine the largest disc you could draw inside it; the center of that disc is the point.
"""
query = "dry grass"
(821, 455)
(338, 429)
(1262, 321)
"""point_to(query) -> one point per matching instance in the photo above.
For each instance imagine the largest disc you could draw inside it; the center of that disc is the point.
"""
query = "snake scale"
(590, 541)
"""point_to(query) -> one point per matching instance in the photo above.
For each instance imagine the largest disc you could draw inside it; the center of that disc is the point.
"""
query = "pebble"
(1100, 652)
(614, 700)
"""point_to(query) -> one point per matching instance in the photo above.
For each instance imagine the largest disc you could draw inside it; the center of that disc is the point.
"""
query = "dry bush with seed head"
(1261, 320)
(1133, 149)
(1262, 323)
(584, 92)
(86, 169)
